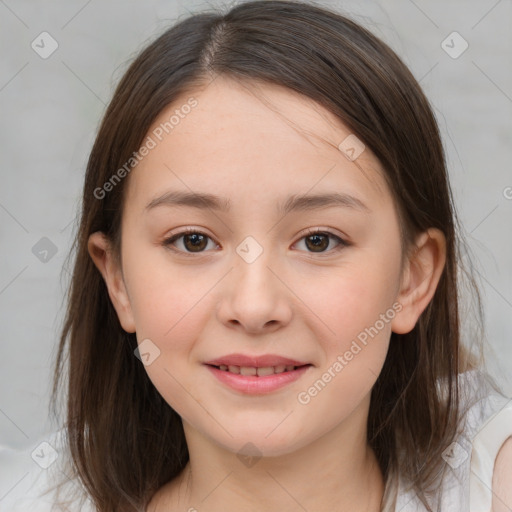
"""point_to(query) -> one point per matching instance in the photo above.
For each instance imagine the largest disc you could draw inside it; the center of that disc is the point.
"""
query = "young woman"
(264, 306)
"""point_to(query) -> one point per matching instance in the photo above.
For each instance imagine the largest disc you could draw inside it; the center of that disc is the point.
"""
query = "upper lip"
(262, 361)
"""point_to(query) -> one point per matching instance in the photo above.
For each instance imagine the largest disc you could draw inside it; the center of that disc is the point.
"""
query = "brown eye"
(317, 242)
(320, 241)
(188, 242)
(195, 242)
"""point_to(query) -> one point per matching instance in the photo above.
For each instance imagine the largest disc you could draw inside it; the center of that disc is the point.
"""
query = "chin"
(262, 440)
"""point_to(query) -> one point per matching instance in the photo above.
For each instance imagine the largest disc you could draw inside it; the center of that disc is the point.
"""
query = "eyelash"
(168, 242)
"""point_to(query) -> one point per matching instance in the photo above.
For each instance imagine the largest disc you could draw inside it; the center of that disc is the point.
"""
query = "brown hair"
(125, 441)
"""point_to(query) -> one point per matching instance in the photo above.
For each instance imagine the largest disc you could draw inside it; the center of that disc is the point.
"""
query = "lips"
(256, 374)
(255, 381)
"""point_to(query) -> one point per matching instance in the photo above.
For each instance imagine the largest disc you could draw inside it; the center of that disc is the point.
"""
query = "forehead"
(229, 137)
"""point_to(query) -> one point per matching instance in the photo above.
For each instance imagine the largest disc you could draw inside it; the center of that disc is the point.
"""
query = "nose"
(255, 298)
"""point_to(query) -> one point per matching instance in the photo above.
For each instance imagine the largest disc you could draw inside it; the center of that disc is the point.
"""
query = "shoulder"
(477, 474)
(502, 479)
(489, 429)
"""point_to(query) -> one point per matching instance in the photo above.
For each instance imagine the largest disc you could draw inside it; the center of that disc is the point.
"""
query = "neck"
(336, 472)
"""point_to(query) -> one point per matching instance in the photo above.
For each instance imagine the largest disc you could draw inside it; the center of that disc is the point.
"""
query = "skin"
(501, 478)
(256, 148)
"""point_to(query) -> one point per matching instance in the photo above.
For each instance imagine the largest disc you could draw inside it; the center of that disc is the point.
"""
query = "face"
(260, 277)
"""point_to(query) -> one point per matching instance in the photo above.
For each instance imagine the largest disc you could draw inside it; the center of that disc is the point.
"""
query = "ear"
(100, 250)
(420, 278)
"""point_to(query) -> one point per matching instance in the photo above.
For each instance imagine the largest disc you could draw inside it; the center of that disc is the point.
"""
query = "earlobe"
(421, 275)
(99, 248)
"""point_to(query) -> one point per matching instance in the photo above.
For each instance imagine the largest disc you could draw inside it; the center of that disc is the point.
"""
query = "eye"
(318, 241)
(192, 241)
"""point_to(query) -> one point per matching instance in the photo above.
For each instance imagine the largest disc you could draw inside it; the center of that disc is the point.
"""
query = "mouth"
(262, 371)
(256, 375)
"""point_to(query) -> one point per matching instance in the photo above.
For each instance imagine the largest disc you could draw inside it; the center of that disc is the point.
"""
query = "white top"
(466, 485)
(467, 482)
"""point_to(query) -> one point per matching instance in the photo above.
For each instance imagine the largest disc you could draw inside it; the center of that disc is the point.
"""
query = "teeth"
(268, 370)
(246, 370)
(261, 372)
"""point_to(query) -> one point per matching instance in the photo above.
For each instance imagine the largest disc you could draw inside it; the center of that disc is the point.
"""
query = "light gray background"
(50, 109)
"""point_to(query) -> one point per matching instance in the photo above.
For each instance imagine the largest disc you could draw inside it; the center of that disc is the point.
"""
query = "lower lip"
(254, 385)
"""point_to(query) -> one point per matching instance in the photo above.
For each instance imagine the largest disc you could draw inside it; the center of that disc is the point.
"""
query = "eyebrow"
(293, 203)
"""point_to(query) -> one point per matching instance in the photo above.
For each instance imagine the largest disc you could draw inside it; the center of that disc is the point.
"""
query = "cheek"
(355, 305)
(172, 314)
(359, 309)
(353, 298)
(165, 299)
